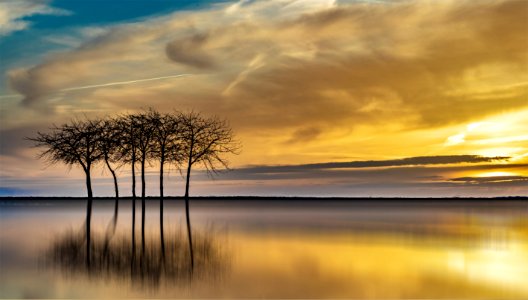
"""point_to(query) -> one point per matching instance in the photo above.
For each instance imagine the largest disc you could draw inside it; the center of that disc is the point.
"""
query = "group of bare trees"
(182, 140)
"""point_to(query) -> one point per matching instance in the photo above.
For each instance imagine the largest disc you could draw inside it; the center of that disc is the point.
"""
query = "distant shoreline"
(276, 198)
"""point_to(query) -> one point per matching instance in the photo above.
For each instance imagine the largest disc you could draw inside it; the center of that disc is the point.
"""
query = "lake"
(266, 248)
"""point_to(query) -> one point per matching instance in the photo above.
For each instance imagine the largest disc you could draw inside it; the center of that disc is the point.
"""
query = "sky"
(405, 98)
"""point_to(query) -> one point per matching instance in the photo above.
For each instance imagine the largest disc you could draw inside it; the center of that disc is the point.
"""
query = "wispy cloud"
(14, 12)
(368, 68)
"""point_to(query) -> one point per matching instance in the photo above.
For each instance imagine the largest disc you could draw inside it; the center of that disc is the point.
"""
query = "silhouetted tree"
(204, 141)
(143, 123)
(109, 144)
(128, 154)
(74, 144)
(166, 148)
(182, 138)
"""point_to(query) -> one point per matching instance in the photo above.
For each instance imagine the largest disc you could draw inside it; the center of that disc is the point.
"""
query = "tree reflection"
(67, 253)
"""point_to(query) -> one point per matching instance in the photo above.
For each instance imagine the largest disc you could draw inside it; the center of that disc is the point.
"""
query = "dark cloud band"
(409, 161)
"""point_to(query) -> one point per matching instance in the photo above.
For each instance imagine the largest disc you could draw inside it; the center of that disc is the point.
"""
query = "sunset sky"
(327, 97)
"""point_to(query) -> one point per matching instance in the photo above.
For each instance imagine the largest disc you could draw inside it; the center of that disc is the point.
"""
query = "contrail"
(10, 96)
(374, 1)
(122, 82)
(103, 85)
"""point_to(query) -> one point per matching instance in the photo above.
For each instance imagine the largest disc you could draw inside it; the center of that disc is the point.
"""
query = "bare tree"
(205, 141)
(109, 143)
(167, 147)
(128, 154)
(180, 138)
(74, 144)
(144, 140)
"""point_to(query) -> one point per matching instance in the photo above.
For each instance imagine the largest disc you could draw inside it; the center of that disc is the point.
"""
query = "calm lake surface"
(429, 249)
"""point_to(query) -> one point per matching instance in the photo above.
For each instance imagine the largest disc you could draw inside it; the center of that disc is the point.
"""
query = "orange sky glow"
(301, 83)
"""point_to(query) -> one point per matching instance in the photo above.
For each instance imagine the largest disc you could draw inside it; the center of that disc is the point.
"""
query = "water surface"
(286, 249)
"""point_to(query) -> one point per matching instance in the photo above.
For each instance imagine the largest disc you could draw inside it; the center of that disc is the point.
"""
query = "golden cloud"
(302, 82)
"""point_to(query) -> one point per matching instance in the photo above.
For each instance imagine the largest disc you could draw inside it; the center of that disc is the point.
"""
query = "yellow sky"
(304, 81)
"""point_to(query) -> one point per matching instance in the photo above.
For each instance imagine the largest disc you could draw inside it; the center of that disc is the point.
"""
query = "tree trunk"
(189, 235)
(143, 204)
(88, 216)
(162, 162)
(133, 207)
(116, 188)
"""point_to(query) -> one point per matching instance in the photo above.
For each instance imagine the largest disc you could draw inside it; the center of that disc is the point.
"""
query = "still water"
(278, 249)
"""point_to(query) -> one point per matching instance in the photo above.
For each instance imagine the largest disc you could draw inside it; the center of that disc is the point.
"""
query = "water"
(278, 249)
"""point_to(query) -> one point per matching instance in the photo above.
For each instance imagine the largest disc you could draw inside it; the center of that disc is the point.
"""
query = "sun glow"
(497, 174)
(500, 135)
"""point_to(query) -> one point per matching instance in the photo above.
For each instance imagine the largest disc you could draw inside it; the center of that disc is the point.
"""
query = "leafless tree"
(185, 139)
(74, 144)
(205, 141)
(128, 154)
(167, 148)
(145, 129)
(109, 143)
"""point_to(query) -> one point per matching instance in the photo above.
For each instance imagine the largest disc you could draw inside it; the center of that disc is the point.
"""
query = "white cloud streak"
(13, 12)
(123, 82)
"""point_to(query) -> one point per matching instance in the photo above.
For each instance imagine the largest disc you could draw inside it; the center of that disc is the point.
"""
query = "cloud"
(307, 81)
(335, 64)
(14, 12)
(357, 64)
(13, 140)
(189, 51)
(305, 134)
(28, 83)
(409, 161)
(399, 181)
(495, 180)
(89, 64)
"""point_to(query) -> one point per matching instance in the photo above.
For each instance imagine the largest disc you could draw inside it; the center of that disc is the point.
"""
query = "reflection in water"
(113, 258)
(397, 249)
